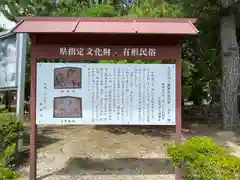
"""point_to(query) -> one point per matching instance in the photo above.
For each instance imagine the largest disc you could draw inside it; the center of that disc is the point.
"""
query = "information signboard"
(8, 62)
(106, 94)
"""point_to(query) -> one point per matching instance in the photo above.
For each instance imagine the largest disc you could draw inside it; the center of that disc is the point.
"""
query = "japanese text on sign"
(71, 51)
(141, 52)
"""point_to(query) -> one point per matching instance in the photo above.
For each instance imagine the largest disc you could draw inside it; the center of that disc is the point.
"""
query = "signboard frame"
(40, 51)
(49, 34)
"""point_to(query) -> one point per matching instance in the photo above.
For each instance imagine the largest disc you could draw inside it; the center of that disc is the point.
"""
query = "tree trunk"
(6, 99)
(9, 101)
(230, 71)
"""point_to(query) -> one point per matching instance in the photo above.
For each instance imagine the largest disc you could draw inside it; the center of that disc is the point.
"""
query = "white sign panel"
(106, 94)
(8, 62)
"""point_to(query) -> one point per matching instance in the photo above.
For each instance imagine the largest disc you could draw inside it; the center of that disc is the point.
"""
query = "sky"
(4, 22)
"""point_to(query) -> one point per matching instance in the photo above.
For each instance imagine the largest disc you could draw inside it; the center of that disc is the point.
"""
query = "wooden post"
(178, 106)
(33, 131)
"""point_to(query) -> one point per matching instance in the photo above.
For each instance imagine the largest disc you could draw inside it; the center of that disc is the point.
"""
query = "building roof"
(180, 26)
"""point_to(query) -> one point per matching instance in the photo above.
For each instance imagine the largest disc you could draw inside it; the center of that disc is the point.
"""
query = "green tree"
(12, 9)
(230, 63)
(201, 55)
(203, 51)
(154, 9)
(218, 41)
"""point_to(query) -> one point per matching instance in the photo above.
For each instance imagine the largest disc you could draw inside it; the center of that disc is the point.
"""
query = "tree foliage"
(201, 55)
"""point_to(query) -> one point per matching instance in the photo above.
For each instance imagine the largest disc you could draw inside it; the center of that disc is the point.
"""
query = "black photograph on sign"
(67, 78)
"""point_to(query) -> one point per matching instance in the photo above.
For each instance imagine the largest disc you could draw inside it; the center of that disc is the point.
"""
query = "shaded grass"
(5, 110)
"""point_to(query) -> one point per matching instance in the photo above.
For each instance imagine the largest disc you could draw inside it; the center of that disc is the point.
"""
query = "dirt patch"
(86, 151)
(89, 152)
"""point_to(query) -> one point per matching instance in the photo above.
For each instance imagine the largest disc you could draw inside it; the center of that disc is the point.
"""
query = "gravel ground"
(110, 153)
(81, 152)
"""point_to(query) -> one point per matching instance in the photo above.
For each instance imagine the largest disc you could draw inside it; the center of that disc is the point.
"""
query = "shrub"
(9, 130)
(9, 135)
(5, 172)
(200, 158)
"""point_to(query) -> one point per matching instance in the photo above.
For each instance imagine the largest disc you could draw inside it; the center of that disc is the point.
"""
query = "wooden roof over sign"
(56, 25)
